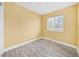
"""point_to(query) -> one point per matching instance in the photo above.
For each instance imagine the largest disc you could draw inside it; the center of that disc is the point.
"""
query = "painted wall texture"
(78, 24)
(70, 17)
(20, 24)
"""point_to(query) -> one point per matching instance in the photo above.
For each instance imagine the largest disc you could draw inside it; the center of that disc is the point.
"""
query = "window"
(55, 24)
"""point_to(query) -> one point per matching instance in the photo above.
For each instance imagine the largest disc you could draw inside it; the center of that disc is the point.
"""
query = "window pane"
(55, 24)
(51, 22)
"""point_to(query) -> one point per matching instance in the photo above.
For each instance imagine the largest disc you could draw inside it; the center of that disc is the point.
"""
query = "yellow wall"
(78, 24)
(20, 24)
(69, 35)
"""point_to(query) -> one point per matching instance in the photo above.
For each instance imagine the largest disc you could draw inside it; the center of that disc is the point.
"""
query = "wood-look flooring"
(42, 48)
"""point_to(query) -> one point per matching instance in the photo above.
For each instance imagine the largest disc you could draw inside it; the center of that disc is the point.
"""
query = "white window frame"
(53, 28)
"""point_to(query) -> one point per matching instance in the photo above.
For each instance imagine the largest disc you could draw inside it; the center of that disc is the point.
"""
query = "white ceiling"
(45, 7)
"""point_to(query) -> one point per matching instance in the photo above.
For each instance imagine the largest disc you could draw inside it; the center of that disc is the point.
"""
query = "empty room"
(41, 29)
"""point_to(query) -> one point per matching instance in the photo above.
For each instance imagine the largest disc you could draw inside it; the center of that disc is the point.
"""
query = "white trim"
(69, 45)
(2, 29)
(78, 51)
(18, 45)
(73, 46)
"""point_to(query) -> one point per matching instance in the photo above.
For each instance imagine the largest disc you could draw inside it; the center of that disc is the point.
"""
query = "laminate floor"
(42, 48)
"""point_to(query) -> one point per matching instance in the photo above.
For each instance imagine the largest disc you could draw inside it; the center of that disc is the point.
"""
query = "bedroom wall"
(78, 25)
(70, 27)
(20, 24)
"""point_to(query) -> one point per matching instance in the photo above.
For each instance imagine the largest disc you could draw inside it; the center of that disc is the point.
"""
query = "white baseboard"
(69, 45)
(78, 51)
(73, 46)
(18, 45)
